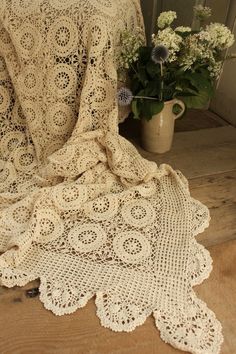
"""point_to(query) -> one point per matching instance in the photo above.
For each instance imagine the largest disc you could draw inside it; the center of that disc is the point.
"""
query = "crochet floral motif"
(79, 207)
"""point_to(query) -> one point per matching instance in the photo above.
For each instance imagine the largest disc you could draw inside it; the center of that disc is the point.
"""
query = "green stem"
(135, 71)
(162, 82)
(147, 98)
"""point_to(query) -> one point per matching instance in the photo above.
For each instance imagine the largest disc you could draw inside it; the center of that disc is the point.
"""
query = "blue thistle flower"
(125, 96)
(160, 54)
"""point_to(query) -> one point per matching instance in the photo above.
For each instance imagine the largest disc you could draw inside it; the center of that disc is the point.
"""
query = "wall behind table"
(224, 11)
(184, 9)
(224, 102)
(152, 8)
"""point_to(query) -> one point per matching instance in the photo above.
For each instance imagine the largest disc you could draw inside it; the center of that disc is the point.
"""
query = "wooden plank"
(218, 192)
(26, 327)
(197, 119)
(199, 153)
(219, 291)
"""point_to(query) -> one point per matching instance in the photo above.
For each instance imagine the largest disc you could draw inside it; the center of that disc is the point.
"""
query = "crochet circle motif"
(24, 158)
(70, 197)
(19, 216)
(28, 40)
(60, 119)
(87, 238)
(103, 208)
(138, 213)
(132, 247)
(30, 81)
(10, 141)
(62, 80)
(49, 226)
(63, 36)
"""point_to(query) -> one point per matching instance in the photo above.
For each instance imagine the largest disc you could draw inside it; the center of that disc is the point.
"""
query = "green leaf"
(180, 72)
(152, 69)
(184, 34)
(150, 108)
(200, 82)
(136, 86)
(177, 109)
(152, 89)
(142, 75)
(168, 93)
(197, 101)
(183, 94)
(135, 109)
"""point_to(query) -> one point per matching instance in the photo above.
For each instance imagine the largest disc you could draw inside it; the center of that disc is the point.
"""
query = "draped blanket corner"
(79, 207)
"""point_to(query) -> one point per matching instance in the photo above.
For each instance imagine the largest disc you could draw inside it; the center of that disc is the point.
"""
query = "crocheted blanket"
(79, 207)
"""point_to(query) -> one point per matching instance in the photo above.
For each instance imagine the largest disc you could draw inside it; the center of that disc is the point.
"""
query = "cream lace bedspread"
(80, 208)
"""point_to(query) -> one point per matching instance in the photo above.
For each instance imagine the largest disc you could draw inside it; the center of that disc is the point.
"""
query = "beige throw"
(79, 207)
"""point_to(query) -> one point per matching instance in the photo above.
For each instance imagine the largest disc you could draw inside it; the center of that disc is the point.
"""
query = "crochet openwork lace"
(80, 208)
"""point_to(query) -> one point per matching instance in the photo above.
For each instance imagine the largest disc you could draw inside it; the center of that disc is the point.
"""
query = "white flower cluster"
(130, 44)
(204, 37)
(202, 12)
(171, 40)
(186, 48)
(166, 18)
(183, 29)
(195, 49)
(220, 37)
(206, 46)
(215, 68)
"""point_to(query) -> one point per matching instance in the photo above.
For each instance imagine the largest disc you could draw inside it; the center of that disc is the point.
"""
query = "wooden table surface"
(207, 158)
(27, 328)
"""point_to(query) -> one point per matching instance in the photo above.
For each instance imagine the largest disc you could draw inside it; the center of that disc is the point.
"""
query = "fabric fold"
(80, 209)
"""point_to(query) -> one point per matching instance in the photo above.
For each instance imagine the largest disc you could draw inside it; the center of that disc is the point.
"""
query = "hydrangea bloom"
(189, 51)
(215, 68)
(166, 18)
(196, 49)
(202, 12)
(183, 29)
(170, 39)
(220, 36)
(131, 42)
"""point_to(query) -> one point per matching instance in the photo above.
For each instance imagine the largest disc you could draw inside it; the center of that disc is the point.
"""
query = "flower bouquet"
(182, 63)
(181, 67)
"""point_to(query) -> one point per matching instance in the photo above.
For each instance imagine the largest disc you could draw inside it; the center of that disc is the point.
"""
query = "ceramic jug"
(157, 133)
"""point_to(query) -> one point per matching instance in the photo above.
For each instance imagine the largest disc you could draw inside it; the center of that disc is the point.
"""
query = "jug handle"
(182, 105)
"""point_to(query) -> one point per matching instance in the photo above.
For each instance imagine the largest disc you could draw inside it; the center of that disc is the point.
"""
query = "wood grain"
(208, 158)
(199, 153)
(219, 291)
(26, 327)
(218, 192)
(194, 119)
